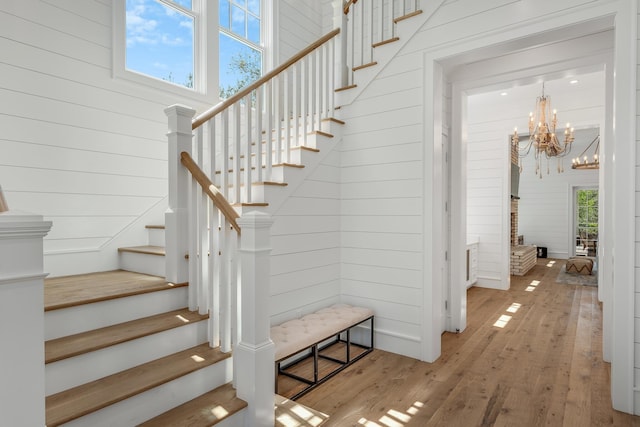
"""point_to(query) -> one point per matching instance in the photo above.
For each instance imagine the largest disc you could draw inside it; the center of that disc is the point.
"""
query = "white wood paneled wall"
(305, 262)
(86, 150)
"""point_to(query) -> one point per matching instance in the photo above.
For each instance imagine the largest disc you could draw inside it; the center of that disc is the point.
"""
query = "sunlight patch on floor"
(513, 308)
(393, 418)
(532, 286)
(550, 264)
(502, 321)
(292, 414)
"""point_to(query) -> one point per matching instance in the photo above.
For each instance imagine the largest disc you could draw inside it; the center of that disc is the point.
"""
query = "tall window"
(241, 48)
(586, 211)
(160, 39)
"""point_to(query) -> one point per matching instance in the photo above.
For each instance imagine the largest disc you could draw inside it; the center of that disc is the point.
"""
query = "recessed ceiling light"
(503, 93)
(573, 82)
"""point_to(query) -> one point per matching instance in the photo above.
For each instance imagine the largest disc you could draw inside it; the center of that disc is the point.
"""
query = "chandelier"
(582, 161)
(542, 136)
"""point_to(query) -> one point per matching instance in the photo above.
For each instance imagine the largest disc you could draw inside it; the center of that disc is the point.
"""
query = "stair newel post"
(22, 376)
(179, 138)
(254, 355)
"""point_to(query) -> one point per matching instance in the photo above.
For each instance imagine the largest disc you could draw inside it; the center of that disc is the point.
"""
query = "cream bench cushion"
(296, 335)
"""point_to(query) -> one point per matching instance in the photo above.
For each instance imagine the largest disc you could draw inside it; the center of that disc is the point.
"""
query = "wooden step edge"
(333, 119)
(205, 410)
(305, 148)
(148, 250)
(267, 183)
(345, 88)
(89, 289)
(155, 227)
(407, 16)
(383, 42)
(360, 67)
(87, 398)
(257, 204)
(97, 339)
(271, 183)
(325, 134)
(288, 165)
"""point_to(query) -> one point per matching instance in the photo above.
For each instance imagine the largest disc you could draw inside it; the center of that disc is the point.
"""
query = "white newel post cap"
(22, 389)
(21, 236)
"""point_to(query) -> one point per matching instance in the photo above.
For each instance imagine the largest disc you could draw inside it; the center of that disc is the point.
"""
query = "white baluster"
(214, 268)
(268, 130)
(295, 89)
(225, 296)
(224, 153)
(237, 153)
(304, 108)
(257, 135)
(318, 87)
(287, 117)
(247, 149)
(278, 119)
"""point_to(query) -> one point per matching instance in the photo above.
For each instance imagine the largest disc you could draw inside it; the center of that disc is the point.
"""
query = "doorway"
(585, 220)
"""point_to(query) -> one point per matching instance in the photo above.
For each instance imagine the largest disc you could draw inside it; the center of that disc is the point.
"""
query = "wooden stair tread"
(147, 249)
(70, 291)
(156, 226)
(87, 398)
(203, 411)
(85, 342)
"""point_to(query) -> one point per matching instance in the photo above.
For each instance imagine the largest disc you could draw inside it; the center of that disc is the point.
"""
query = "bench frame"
(316, 350)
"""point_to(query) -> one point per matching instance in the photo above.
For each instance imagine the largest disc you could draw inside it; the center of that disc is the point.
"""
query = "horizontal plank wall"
(382, 185)
(85, 149)
(300, 23)
(305, 261)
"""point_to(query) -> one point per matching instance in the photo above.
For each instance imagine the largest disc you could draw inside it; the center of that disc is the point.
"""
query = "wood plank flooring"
(530, 356)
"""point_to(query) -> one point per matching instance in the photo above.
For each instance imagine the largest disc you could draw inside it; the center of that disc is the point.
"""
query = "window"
(157, 42)
(160, 39)
(586, 220)
(241, 50)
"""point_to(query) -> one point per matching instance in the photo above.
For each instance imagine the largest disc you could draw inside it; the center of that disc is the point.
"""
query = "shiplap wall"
(300, 22)
(382, 185)
(305, 262)
(86, 150)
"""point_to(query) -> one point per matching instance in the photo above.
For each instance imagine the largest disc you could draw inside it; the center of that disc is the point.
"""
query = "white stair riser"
(156, 236)
(73, 320)
(84, 368)
(144, 406)
(142, 263)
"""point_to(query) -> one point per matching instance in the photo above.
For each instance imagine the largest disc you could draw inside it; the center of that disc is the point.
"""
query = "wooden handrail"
(208, 187)
(348, 5)
(213, 111)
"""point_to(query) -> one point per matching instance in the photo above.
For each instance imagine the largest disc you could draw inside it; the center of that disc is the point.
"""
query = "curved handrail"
(347, 5)
(213, 111)
(208, 187)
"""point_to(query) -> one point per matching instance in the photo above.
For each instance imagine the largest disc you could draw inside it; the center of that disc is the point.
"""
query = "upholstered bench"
(579, 265)
(299, 339)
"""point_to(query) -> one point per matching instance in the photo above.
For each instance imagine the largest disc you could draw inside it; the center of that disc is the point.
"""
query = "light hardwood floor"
(530, 356)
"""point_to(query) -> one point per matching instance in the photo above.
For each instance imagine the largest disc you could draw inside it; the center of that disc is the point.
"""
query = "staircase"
(129, 347)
